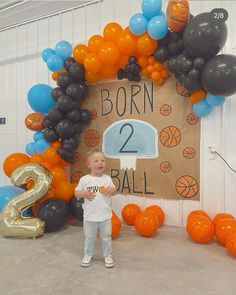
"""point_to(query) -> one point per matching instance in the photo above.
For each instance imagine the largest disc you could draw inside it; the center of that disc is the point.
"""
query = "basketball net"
(128, 162)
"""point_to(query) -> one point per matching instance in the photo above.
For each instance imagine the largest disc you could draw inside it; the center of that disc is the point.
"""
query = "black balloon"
(192, 85)
(135, 69)
(166, 40)
(194, 74)
(64, 79)
(219, 75)
(65, 128)
(85, 116)
(78, 127)
(64, 103)
(73, 141)
(199, 63)
(50, 134)
(77, 72)
(77, 91)
(75, 208)
(54, 213)
(76, 105)
(68, 147)
(161, 54)
(120, 74)
(73, 115)
(171, 64)
(68, 62)
(204, 36)
(55, 115)
(136, 78)
(132, 60)
(65, 155)
(47, 122)
(130, 76)
(173, 48)
(57, 92)
(183, 64)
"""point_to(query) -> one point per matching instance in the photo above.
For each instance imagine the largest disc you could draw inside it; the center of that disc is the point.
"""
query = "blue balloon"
(41, 145)
(138, 24)
(7, 193)
(63, 49)
(214, 100)
(38, 135)
(55, 63)
(39, 98)
(157, 27)
(46, 53)
(151, 8)
(202, 108)
(30, 148)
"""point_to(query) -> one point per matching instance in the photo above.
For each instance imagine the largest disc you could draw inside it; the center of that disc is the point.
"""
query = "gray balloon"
(204, 36)
(219, 75)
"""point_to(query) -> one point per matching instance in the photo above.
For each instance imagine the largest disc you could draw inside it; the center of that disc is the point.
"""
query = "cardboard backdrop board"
(149, 135)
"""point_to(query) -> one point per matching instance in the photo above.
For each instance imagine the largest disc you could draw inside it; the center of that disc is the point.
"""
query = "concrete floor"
(167, 264)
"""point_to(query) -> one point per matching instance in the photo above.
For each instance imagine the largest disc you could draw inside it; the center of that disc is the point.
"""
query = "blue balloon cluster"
(152, 20)
(38, 145)
(55, 57)
(205, 106)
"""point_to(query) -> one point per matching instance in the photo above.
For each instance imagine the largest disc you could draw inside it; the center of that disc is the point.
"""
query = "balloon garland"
(154, 45)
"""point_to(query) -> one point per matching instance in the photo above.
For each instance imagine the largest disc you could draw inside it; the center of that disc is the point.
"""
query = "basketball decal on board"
(93, 114)
(170, 136)
(192, 119)
(165, 166)
(77, 156)
(187, 186)
(181, 89)
(165, 110)
(91, 138)
(75, 177)
(189, 152)
(34, 121)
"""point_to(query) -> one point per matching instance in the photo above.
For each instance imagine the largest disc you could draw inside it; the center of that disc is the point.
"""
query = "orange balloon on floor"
(200, 229)
(231, 244)
(14, 161)
(115, 225)
(220, 216)
(64, 190)
(129, 213)
(196, 212)
(146, 224)
(224, 228)
(158, 211)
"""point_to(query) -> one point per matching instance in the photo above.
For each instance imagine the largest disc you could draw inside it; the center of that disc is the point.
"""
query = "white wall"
(21, 66)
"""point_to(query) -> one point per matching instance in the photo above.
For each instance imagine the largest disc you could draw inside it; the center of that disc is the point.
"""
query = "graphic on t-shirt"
(95, 189)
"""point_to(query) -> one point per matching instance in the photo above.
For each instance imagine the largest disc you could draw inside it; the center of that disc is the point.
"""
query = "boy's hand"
(89, 195)
(109, 191)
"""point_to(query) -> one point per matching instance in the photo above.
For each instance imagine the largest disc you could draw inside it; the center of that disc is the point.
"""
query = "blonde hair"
(92, 152)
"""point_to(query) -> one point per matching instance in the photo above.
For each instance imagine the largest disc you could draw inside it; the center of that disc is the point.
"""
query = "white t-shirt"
(99, 209)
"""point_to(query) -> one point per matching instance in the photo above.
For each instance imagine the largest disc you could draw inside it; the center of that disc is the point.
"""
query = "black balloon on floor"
(75, 208)
(54, 213)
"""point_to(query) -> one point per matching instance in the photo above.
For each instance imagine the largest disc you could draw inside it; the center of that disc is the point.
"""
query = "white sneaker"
(109, 261)
(86, 261)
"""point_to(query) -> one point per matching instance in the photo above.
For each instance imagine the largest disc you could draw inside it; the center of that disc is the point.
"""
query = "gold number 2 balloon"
(12, 224)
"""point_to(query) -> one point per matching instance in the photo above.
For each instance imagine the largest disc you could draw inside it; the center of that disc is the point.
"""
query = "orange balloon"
(146, 45)
(92, 77)
(36, 158)
(221, 216)
(200, 229)
(224, 228)
(92, 62)
(47, 165)
(51, 156)
(29, 184)
(157, 211)
(231, 244)
(115, 225)
(79, 53)
(146, 224)
(64, 190)
(196, 213)
(112, 31)
(151, 60)
(56, 144)
(55, 75)
(58, 174)
(129, 213)
(158, 66)
(155, 75)
(123, 61)
(150, 69)
(143, 61)
(197, 95)
(108, 72)
(95, 42)
(14, 161)
(126, 42)
(109, 53)
(144, 72)
(165, 74)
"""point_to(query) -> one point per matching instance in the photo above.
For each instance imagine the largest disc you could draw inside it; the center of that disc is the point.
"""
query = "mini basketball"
(170, 136)
(165, 166)
(195, 213)
(91, 138)
(189, 152)
(231, 244)
(187, 186)
(201, 229)
(192, 119)
(34, 121)
(224, 228)
(181, 89)
(129, 213)
(177, 14)
(115, 225)
(146, 224)
(165, 110)
(157, 211)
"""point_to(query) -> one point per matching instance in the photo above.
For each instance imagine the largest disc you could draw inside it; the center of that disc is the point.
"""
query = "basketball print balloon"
(91, 138)
(165, 166)
(34, 121)
(181, 89)
(170, 136)
(165, 110)
(192, 119)
(189, 152)
(187, 186)
(177, 14)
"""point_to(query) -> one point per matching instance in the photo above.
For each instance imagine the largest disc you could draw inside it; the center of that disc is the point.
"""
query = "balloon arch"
(154, 45)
